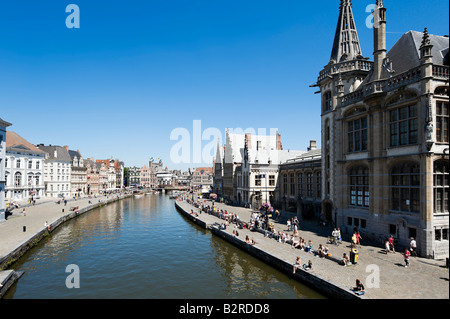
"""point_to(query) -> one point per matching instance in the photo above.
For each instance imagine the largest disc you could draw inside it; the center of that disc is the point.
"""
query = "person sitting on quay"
(345, 260)
(297, 264)
(359, 288)
(308, 266)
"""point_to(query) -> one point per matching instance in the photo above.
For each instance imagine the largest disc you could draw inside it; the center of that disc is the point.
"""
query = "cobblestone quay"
(383, 275)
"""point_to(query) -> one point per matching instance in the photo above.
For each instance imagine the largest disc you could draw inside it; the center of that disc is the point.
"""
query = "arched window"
(405, 185)
(17, 179)
(440, 183)
(359, 186)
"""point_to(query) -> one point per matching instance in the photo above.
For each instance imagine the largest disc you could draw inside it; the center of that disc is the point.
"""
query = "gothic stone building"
(385, 144)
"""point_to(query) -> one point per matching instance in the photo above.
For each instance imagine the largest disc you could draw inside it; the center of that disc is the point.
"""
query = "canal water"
(143, 248)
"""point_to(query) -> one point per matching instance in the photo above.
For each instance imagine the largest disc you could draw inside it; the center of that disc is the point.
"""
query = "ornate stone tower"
(342, 75)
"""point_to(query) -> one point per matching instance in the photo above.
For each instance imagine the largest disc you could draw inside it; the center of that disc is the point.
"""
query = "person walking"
(406, 256)
(413, 247)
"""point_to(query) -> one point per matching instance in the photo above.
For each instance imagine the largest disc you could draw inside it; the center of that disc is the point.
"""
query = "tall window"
(285, 184)
(319, 185)
(300, 184)
(406, 187)
(18, 179)
(327, 101)
(18, 163)
(404, 125)
(441, 174)
(359, 187)
(357, 135)
(309, 185)
(442, 114)
(292, 183)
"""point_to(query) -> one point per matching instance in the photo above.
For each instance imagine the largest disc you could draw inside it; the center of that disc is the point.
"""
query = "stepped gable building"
(385, 144)
(78, 174)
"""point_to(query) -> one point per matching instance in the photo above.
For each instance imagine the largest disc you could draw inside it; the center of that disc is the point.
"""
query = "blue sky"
(136, 70)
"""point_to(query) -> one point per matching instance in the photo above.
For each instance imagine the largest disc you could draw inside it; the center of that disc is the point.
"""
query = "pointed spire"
(346, 44)
(426, 46)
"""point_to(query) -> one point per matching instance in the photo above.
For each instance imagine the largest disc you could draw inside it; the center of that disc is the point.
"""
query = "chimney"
(312, 145)
(248, 140)
(66, 147)
(379, 38)
(279, 146)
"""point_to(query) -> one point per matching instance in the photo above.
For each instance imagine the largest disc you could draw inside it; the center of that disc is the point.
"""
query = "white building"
(24, 169)
(165, 178)
(57, 171)
(256, 178)
(3, 126)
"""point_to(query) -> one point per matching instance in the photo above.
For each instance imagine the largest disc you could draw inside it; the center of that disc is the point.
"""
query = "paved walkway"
(423, 279)
(45, 210)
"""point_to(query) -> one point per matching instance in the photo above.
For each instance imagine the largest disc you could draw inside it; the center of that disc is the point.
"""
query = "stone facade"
(385, 136)
(299, 187)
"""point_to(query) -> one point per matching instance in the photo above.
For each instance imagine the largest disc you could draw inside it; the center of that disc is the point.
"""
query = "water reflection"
(143, 248)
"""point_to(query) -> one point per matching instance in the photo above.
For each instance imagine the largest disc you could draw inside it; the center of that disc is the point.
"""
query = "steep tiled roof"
(16, 142)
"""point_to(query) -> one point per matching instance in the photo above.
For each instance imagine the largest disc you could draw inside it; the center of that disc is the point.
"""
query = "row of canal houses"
(29, 172)
(383, 165)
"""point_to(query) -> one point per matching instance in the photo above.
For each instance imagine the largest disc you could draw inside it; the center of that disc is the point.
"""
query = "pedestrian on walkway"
(392, 244)
(412, 247)
(288, 224)
(358, 238)
(406, 256)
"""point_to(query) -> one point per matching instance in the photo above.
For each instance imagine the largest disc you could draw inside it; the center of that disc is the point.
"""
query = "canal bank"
(383, 275)
(267, 251)
(29, 225)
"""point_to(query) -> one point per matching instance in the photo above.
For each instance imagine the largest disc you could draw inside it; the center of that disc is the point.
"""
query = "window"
(442, 122)
(257, 180)
(309, 185)
(327, 101)
(441, 187)
(30, 164)
(406, 188)
(319, 184)
(359, 187)
(403, 126)
(292, 183)
(18, 179)
(300, 184)
(271, 180)
(357, 135)
(285, 184)
(18, 163)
